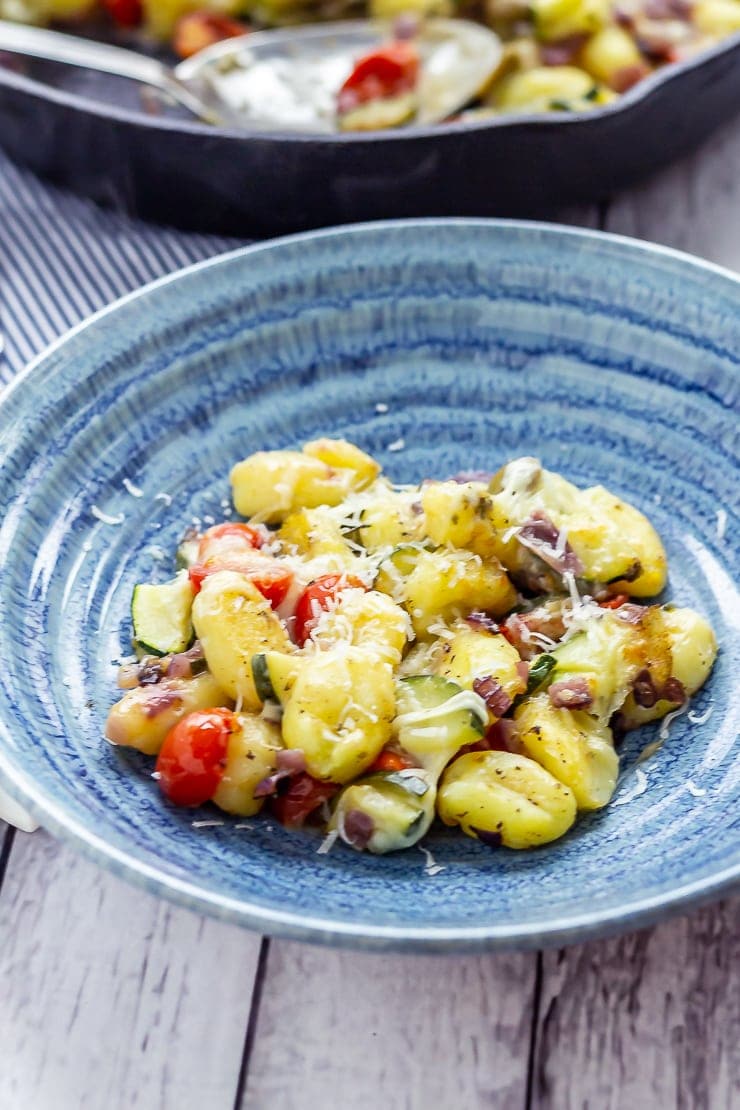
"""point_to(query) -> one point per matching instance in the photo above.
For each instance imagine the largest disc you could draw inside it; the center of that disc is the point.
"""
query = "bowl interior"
(613, 363)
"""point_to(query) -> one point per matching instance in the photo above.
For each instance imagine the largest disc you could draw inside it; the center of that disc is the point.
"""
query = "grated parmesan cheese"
(641, 785)
(328, 842)
(166, 498)
(431, 867)
(106, 518)
(694, 790)
(721, 523)
(129, 486)
(381, 407)
(205, 824)
(397, 445)
(703, 718)
(466, 699)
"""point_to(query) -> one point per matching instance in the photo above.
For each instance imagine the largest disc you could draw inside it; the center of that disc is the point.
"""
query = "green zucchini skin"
(161, 616)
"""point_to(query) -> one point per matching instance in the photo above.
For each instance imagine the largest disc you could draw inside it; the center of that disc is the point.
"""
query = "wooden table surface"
(111, 999)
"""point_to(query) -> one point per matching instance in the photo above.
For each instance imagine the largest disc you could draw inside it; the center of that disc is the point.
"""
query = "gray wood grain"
(339, 1030)
(693, 206)
(113, 999)
(650, 1021)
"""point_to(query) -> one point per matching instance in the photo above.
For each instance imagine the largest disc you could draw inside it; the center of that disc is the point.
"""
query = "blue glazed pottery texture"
(611, 361)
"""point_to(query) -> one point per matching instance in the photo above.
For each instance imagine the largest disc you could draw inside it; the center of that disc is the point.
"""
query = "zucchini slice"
(427, 729)
(274, 675)
(161, 615)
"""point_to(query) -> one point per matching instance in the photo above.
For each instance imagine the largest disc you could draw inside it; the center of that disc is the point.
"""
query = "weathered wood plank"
(693, 206)
(343, 1029)
(646, 1021)
(110, 997)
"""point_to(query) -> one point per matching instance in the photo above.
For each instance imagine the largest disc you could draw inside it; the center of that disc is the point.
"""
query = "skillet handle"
(53, 46)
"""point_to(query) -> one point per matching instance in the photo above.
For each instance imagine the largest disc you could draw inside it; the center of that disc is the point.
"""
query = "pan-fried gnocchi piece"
(338, 707)
(389, 518)
(550, 89)
(440, 585)
(548, 528)
(693, 650)
(314, 533)
(559, 19)
(503, 798)
(270, 485)
(370, 620)
(250, 757)
(234, 622)
(381, 662)
(474, 657)
(459, 515)
(574, 747)
(143, 716)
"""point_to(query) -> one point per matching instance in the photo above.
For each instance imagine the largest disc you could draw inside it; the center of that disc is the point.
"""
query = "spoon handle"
(53, 46)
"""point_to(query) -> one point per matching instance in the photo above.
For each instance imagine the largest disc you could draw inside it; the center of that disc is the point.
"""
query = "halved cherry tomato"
(192, 760)
(389, 71)
(614, 602)
(318, 598)
(196, 30)
(272, 579)
(126, 13)
(390, 761)
(231, 536)
(303, 796)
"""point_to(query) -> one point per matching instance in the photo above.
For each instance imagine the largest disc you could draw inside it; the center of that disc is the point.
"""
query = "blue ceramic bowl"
(613, 361)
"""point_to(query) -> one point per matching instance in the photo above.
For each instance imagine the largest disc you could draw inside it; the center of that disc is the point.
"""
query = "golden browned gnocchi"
(370, 657)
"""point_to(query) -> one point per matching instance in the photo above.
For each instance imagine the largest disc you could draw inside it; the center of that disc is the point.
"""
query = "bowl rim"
(566, 929)
(632, 98)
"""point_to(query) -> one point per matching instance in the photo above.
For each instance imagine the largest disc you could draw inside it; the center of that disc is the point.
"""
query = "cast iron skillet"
(88, 132)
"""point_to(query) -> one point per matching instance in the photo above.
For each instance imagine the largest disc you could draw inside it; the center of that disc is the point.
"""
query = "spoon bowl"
(285, 79)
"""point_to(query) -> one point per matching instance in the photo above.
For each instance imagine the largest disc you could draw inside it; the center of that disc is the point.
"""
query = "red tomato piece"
(192, 760)
(197, 30)
(272, 579)
(318, 598)
(390, 761)
(231, 536)
(126, 13)
(389, 71)
(614, 602)
(303, 796)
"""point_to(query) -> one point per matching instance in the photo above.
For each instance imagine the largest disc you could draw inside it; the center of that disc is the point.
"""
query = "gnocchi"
(374, 657)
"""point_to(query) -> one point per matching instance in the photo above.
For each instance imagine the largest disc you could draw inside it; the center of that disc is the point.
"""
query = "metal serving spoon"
(285, 79)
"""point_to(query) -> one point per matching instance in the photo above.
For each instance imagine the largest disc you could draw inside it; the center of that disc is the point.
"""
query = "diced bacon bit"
(357, 829)
(530, 632)
(291, 760)
(163, 697)
(493, 694)
(643, 690)
(464, 476)
(181, 664)
(628, 76)
(674, 691)
(522, 669)
(501, 736)
(480, 620)
(571, 693)
(562, 52)
(614, 602)
(631, 613)
(540, 536)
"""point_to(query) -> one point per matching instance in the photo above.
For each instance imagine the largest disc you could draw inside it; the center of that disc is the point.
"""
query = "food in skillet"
(558, 55)
(370, 656)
